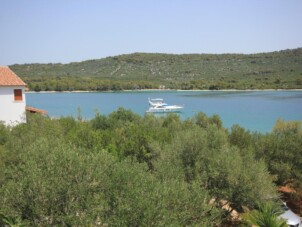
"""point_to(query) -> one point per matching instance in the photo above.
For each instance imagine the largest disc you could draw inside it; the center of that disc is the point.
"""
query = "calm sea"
(253, 110)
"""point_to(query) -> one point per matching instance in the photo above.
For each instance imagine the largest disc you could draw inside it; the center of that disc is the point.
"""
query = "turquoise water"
(253, 110)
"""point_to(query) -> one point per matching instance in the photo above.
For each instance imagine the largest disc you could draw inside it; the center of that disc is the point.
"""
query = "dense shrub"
(127, 170)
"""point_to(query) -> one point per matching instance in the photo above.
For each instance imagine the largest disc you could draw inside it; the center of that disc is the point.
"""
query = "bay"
(253, 110)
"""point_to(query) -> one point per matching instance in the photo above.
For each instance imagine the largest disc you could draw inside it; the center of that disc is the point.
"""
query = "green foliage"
(274, 70)
(290, 127)
(282, 151)
(56, 185)
(11, 221)
(141, 199)
(204, 121)
(206, 157)
(4, 133)
(127, 170)
(265, 216)
(240, 137)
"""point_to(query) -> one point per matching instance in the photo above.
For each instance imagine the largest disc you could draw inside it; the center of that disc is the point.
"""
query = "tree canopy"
(127, 170)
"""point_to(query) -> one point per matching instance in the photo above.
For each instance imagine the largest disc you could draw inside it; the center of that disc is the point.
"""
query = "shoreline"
(163, 90)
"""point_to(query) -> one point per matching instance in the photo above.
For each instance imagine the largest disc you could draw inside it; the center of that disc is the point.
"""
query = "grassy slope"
(281, 69)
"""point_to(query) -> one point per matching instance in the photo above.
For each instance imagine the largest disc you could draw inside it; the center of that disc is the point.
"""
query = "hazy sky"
(52, 31)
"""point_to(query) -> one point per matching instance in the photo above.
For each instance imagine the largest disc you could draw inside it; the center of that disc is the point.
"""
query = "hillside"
(275, 70)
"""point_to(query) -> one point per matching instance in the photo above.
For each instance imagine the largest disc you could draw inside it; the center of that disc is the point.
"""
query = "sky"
(63, 31)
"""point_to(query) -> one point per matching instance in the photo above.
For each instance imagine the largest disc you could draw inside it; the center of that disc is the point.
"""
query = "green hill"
(274, 70)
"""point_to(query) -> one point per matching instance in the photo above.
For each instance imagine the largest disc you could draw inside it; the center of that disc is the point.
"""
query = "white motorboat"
(159, 106)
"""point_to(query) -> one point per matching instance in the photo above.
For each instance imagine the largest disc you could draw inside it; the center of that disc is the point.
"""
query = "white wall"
(12, 112)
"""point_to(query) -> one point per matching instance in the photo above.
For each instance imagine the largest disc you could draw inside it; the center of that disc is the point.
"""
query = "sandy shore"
(148, 90)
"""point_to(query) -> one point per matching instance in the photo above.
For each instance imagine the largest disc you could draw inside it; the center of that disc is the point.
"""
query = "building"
(12, 97)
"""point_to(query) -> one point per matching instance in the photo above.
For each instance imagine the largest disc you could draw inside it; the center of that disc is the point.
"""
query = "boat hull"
(159, 106)
(164, 110)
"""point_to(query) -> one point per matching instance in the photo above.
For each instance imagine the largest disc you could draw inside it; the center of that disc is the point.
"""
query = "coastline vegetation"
(275, 70)
(127, 170)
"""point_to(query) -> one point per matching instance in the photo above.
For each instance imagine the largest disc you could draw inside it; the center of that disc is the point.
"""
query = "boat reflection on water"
(159, 106)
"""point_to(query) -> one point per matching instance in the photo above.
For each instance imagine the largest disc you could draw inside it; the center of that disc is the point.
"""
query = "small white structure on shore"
(12, 98)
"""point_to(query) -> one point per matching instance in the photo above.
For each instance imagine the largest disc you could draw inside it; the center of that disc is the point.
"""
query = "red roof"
(9, 78)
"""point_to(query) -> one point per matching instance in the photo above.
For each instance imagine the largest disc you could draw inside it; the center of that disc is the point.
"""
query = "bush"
(123, 169)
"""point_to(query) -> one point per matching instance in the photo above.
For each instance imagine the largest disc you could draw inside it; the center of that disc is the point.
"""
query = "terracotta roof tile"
(9, 78)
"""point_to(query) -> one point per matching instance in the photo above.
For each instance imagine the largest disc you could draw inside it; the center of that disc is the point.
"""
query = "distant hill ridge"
(275, 70)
